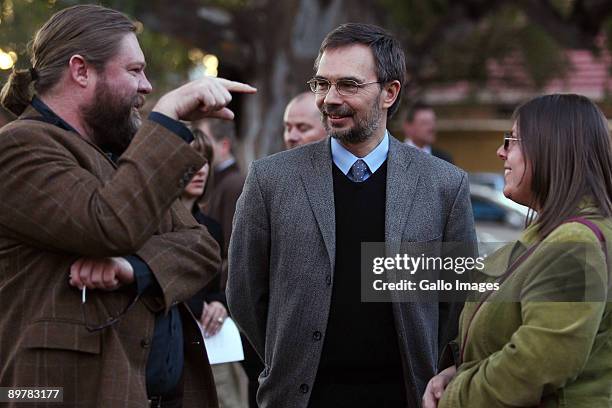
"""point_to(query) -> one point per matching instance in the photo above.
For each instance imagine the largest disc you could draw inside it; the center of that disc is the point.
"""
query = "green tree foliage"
(168, 63)
(272, 44)
(451, 40)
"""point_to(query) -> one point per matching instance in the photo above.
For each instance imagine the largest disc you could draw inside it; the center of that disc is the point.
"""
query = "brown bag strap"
(596, 230)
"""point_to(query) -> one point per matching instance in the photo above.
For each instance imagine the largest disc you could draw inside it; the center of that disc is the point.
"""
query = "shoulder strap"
(589, 224)
(593, 227)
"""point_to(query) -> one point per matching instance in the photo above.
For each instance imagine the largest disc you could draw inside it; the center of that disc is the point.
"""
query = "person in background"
(545, 337)
(228, 179)
(214, 311)
(419, 129)
(209, 305)
(302, 121)
(221, 199)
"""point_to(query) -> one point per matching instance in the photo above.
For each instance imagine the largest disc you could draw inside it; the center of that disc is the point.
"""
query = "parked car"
(498, 220)
(491, 180)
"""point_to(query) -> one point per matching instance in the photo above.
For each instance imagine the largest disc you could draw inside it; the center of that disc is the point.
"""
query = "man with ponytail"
(96, 254)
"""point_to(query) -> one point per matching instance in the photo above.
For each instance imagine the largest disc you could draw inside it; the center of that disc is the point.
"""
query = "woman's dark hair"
(91, 31)
(566, 141)
(203, 145)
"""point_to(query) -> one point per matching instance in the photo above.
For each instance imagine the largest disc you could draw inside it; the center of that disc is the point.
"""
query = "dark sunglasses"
(509, 138)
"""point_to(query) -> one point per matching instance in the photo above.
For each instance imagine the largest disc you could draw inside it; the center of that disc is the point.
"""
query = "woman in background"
(545, 338)
(214, 311)
(210, 305)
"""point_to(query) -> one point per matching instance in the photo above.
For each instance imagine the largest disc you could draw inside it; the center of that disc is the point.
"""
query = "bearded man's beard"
(113, 120)
(362, 130)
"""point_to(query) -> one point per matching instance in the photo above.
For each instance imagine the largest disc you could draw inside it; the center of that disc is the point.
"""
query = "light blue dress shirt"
(344, 159)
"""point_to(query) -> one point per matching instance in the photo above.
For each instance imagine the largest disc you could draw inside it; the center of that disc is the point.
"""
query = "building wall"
(473, 151)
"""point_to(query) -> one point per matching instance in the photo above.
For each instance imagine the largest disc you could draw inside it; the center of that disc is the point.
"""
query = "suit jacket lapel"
(402, 178)
(318, 181)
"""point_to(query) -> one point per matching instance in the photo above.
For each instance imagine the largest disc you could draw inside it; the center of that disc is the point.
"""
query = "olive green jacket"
(545, 338)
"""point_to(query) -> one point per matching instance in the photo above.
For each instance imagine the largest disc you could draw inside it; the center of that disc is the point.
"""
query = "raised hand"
(205, 97)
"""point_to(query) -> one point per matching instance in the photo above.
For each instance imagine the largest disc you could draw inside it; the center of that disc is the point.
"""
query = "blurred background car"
(488, 179)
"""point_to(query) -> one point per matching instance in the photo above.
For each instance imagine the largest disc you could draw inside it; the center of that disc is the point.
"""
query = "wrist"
(126, 271)
(161, 107)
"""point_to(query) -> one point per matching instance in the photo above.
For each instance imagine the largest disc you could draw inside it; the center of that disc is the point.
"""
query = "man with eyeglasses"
(294, 280)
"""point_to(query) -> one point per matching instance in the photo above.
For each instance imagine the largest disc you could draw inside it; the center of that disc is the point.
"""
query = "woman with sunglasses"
(545, 337)
(214, 312)
(209, 305)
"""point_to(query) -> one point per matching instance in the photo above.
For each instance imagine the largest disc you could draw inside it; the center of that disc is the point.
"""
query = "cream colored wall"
(473, 151)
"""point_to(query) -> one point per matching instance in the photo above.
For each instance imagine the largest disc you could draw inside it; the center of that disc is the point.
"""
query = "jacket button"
(145, 343)
(303, 388)
(328, 279)
(316, 336)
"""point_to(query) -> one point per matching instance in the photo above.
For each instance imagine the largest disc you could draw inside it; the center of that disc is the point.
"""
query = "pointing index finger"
(234, 86)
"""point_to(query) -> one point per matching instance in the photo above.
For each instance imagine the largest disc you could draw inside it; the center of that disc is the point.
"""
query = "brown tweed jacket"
(61, 198)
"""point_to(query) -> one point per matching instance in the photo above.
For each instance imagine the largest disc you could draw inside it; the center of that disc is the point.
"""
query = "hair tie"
(33, 74)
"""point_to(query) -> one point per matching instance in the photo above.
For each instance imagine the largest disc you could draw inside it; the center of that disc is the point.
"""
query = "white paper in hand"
(225, 346)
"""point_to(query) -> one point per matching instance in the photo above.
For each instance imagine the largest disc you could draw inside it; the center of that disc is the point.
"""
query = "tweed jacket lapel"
(318, 181)
(32, 114)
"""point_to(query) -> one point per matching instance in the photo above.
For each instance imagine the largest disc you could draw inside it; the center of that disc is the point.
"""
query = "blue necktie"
(359, 171)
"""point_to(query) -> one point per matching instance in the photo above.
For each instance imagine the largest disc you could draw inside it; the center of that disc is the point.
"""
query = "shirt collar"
(49, 116)
(225, 164)
(344, 159)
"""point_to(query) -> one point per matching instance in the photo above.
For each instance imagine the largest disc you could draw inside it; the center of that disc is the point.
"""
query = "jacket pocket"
(423, 239)
(61, 335)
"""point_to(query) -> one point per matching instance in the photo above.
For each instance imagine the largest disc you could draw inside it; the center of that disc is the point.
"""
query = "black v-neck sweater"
(360, 363)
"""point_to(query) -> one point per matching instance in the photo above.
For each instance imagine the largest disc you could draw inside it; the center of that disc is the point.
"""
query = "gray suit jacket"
(282, 257)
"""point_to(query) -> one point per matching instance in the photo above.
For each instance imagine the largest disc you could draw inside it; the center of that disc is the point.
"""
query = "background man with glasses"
(300, 223)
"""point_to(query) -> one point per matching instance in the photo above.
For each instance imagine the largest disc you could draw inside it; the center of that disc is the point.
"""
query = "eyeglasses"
(111, 320)
(345, 87)
(509, 138)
